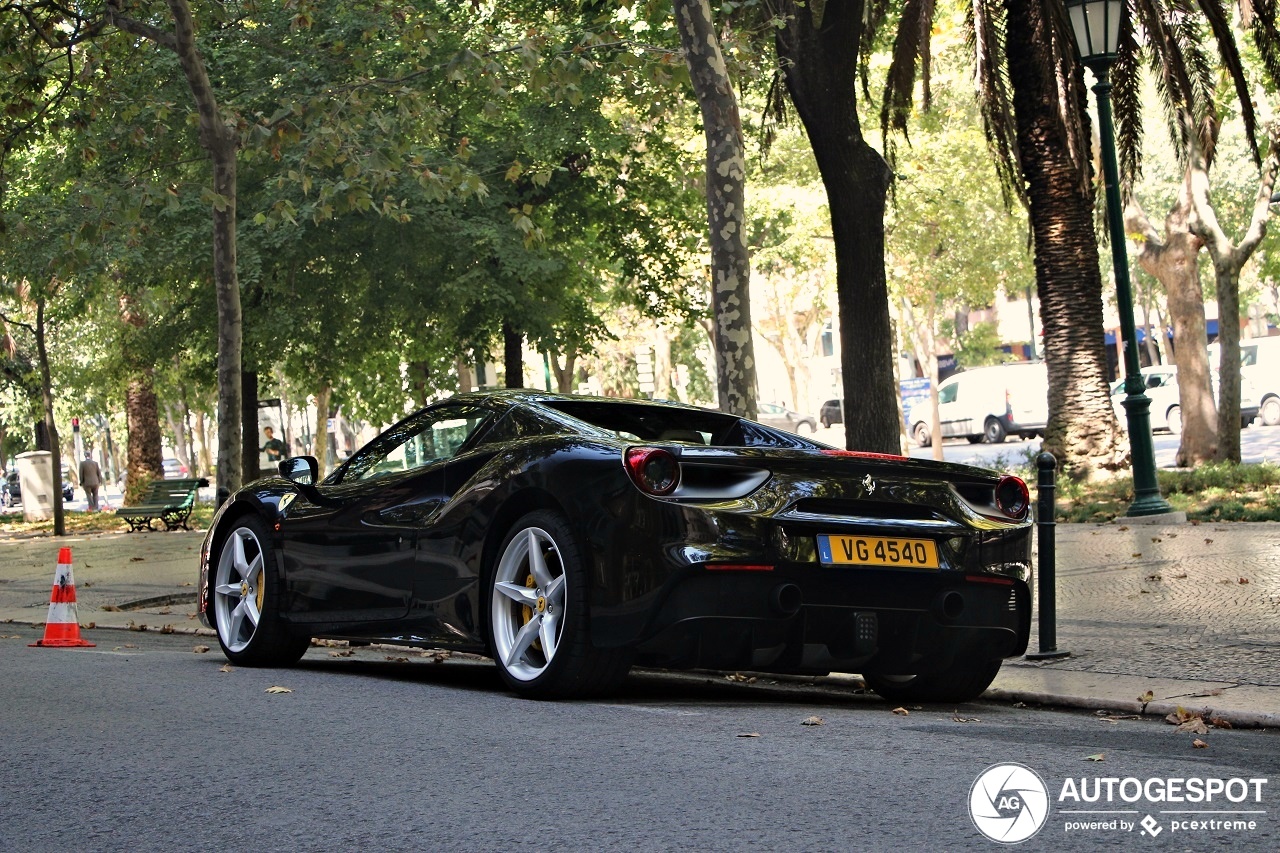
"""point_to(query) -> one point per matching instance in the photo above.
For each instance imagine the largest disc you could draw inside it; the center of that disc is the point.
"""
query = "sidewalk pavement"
(1188, 612)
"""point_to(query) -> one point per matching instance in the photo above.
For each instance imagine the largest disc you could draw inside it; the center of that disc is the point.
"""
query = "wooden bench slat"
(171, 501)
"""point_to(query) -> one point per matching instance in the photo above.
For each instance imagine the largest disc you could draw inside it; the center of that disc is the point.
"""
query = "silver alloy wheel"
(528, 604)
(238, 589)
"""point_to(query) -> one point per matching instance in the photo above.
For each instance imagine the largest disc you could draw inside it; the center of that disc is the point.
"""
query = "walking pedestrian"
(90, 480)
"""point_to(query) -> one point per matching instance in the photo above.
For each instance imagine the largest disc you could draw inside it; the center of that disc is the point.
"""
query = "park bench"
(171, 501)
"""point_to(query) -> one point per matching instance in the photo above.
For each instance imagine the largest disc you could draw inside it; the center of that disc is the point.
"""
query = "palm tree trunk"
(1082, 432)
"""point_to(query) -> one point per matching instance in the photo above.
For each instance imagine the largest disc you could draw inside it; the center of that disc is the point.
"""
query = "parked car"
(1259, 373)
(11, 494)
(831, 413)
(173, 469)
(987, 404)
(1161, 386)
(777, 415)
(572, 537)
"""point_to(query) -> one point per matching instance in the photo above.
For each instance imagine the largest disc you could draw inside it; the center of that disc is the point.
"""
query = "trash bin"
(35, 474)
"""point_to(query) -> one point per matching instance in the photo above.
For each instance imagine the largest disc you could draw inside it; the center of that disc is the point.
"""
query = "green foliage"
(978, 346)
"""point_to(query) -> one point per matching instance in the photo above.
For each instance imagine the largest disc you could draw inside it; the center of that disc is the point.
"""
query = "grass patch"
(12, 523)
(1219, 491)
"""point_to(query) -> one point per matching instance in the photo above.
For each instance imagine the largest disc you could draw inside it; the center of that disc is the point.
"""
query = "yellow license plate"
(878, 551)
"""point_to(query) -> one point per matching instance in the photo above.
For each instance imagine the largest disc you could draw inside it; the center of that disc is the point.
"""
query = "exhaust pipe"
(949, 606)
(786, 600)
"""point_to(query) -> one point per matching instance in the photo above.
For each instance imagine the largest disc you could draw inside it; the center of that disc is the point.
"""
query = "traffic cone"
(61, 628)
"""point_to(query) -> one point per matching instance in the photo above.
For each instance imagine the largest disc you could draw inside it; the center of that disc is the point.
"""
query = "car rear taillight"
(654, 470)
(1012, 497)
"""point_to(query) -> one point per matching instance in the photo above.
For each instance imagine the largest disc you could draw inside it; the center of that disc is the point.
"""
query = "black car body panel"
(723, 572)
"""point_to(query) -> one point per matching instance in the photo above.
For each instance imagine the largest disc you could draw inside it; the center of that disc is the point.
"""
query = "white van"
(1259, 374)
(987, 404)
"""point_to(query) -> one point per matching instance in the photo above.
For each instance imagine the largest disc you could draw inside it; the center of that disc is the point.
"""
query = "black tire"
(826, 423)
(1270, 411)
(974, 439)
(806, 428)
(993, 432)
(921, 434)
(528, 613)
(963, 682)
(246, 591)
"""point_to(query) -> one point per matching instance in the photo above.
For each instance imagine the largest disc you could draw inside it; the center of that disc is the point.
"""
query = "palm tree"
(1034, 108)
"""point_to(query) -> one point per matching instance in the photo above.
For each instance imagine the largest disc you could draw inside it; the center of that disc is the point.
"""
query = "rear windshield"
(648, 422)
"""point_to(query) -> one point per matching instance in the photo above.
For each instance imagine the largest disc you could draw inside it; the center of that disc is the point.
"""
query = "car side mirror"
(303, 470)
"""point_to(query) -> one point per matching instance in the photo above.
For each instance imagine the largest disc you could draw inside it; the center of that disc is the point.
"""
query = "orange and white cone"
(61, 628)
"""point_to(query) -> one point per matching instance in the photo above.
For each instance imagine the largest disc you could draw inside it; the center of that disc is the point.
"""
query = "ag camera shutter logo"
(1009, 803)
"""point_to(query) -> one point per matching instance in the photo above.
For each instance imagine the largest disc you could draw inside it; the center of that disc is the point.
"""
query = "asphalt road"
(143, 744)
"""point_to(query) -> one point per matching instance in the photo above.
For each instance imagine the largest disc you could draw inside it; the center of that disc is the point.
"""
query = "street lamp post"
(1096, 24)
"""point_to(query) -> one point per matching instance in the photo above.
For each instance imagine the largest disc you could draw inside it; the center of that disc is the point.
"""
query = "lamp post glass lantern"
(1096, 24)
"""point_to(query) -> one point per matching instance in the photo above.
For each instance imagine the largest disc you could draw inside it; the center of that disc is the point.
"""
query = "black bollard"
(1045, 523)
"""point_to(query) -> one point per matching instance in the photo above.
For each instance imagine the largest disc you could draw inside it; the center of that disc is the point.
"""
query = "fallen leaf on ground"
(956, 718)
(200, 649)
(1220, 723)
(1097, 756)
(812, 721)
(341, 653)
(110, 608)
(739, 677)
(901, 712)
(1199, 744)
(279, 689)
(439, 657)
(397, 659)
(1217, 691)
(166, 629)
(1187, 721)
(1208, 541)
(1146, 697)
(1137, 554)
(1243, 580)
(136, 627)
(748, 734)
(1124, 527)
(1154, 578)
(1180, 575)
(226, 667)
(136, 559)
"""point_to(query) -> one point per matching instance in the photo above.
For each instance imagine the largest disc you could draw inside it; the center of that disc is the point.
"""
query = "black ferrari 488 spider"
(572, 537)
